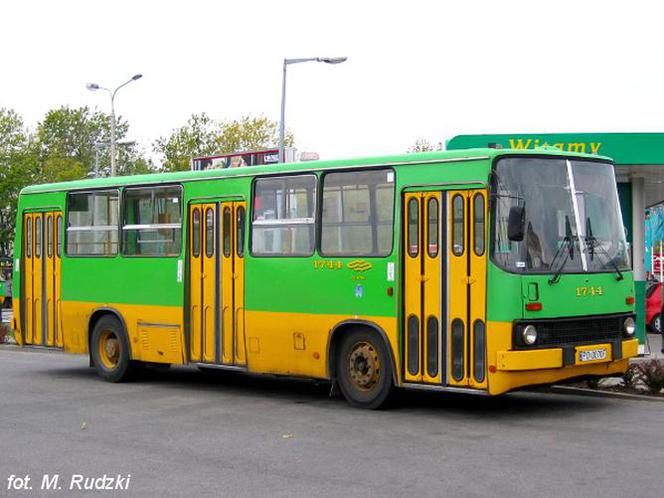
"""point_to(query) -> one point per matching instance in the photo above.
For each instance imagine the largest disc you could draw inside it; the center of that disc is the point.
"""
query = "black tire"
(118, 366)
(656, 324)
(362, 385)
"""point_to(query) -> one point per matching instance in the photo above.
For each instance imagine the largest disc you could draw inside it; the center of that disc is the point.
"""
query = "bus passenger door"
(424, 294)
(57, 281)
(49, 280)
(467, 288)
(42, 233)
(37, 281)
(195, 282)
(233, 221)
(27, 304)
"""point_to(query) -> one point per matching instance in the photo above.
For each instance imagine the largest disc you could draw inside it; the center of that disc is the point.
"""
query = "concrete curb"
(599, 393)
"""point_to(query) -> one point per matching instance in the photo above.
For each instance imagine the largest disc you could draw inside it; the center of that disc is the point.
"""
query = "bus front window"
(572, 216)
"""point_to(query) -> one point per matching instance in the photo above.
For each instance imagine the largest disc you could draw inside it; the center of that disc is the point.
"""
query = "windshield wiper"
(568, 247)
(594, 244)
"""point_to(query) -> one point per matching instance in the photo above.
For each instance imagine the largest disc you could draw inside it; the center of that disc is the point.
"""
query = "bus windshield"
(572, 216)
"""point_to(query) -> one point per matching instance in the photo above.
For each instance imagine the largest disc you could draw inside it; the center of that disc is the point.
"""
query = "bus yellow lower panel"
(155, 332)
(296, 343)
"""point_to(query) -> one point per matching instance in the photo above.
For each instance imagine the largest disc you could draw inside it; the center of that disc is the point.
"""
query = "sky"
(415, 69)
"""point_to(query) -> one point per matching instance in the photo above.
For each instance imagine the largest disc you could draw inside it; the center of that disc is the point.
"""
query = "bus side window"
(357, 213)
(283, 216)
(152, 221)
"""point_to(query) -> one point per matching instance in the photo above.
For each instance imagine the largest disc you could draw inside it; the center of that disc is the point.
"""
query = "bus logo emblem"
(359, 265)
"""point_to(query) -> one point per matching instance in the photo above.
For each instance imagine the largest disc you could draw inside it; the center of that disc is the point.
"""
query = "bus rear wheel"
(364, 369)
(109, 349)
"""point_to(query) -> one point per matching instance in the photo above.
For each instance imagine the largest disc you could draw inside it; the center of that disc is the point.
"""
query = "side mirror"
(516, 223)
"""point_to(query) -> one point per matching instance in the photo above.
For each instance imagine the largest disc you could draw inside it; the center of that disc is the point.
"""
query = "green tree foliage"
(15, 171)
(203, 136)
(65, 145)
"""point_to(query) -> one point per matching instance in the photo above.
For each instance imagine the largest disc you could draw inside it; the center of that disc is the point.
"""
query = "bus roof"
(183, 176)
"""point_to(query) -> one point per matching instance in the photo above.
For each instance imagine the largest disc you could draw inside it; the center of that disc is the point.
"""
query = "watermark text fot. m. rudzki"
(75, 482)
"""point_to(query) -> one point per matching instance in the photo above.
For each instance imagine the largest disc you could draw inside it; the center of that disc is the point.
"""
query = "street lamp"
(282, 126)
(95, 86)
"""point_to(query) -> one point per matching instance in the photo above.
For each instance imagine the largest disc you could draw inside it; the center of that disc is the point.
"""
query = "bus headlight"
(629, 326)
(529, 335)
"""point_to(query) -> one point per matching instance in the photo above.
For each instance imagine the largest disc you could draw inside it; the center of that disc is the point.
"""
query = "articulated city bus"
(472, 271)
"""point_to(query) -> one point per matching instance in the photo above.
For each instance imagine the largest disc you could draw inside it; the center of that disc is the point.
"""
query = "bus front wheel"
(364, 369)
(109, 349)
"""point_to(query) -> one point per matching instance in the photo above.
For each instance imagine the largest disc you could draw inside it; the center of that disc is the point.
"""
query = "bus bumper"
(515, 369)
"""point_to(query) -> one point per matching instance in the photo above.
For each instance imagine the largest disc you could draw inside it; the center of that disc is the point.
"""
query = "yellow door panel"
(227, 294)
(216, 295)
(422, 287)
(431, 288)
(209, 283)
(57, 311)
(37, 281)
(195, 282)
(412, 286)
(457, 286)
(28, 276)
(239, 230)
(467, 287)
(477, 284)
(49, 280)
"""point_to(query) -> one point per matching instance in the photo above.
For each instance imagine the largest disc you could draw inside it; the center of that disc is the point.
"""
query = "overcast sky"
(415, 68)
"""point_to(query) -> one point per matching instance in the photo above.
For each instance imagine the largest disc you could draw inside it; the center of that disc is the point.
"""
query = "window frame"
(121, 225)
(195, 235)
(416, 201)
(65, 223)
(29, 237)
(319, 221)
(212, 243)
(314, 219)
(433, 200)
(479, 195)
(240, 228)
(463, 226)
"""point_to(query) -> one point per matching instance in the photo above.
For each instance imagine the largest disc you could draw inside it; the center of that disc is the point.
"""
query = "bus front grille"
(572, 331)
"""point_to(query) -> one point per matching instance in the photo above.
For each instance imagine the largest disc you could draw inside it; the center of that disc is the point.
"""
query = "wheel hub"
(109, 349)
(363, 366)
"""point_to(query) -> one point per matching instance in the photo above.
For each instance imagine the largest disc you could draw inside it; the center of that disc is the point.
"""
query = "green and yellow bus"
(478, 271)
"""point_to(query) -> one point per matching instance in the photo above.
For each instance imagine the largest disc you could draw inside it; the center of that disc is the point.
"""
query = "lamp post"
(282, 126)
(95, 86)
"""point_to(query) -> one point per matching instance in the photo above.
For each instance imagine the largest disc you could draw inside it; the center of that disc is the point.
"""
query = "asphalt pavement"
(185, 433)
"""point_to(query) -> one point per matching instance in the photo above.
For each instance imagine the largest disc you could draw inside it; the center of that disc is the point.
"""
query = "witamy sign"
(578, 147)
(76, 482)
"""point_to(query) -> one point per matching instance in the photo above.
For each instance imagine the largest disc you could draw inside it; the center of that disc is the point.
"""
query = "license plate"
(598, 354)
